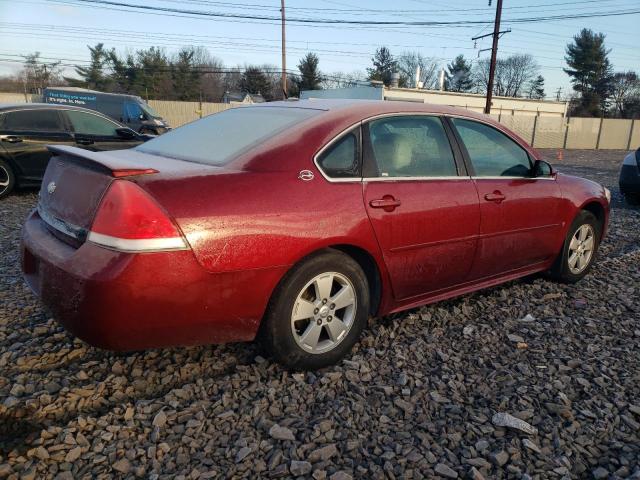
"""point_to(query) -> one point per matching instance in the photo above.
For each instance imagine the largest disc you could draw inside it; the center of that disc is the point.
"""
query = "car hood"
(632, 159)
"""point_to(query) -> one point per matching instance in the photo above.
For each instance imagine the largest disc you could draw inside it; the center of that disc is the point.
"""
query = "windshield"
(149, 111)
(218, 138)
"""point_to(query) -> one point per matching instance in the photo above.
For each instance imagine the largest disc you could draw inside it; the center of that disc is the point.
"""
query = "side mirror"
(542, 169)
(126, 133)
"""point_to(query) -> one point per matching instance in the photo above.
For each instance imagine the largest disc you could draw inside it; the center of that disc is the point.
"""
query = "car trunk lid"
(76, 180)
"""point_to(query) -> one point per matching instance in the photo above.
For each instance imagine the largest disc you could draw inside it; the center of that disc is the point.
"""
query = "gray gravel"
(417, 398)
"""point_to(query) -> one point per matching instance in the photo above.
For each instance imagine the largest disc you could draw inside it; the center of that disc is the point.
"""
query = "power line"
(304, 20)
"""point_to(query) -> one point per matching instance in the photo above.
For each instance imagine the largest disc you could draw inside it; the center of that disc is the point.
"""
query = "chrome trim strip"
(399, 114)
(498, 177)
(137, 245)
(66, 228)
(414, 179)
(328, 145)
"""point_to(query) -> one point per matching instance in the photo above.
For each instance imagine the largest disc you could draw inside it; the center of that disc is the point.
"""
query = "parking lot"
(416, 398)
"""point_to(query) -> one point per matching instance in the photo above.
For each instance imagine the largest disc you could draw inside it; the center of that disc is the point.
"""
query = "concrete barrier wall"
(179, 113)
(550, 132)
(6, 97)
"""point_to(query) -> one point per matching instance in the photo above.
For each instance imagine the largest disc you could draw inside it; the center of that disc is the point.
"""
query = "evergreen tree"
(254, 81)
(590, 71)
(384, 66)
(458, 75)
(185, 75)
(536, 88)
(310, 78)
(93, 76)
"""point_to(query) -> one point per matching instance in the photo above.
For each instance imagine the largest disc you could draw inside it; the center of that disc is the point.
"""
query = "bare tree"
(343, 80)
(512, 75)
(625, 90)
(37, 74)
(408, 62)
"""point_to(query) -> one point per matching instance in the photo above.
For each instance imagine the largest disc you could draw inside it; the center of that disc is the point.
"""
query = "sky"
(62, 29)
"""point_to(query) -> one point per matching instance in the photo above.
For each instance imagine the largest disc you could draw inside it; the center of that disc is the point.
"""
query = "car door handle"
(388, 203)
(497, 196)
(10, 138)
(84, 141)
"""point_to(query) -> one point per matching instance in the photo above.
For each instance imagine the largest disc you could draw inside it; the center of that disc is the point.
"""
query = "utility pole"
(284, 53)
(494, 53)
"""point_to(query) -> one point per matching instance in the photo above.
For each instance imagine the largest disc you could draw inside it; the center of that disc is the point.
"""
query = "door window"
(85, 123)
(340, 160)
(411, 146)
(33, 121)
(491, 152)
(133, 112)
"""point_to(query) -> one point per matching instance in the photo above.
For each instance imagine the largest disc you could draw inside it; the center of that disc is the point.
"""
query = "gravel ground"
(417, 398)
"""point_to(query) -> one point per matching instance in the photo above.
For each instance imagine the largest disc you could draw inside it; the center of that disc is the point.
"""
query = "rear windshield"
(217, 139)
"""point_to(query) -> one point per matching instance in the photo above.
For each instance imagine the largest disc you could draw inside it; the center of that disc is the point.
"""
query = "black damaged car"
(26, 130)
(630, 177)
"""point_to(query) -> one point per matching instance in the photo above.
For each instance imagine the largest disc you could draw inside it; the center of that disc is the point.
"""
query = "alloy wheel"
(4, 179)
(324, 312)
(581, 248)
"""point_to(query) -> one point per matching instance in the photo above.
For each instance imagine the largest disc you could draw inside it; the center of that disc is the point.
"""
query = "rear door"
(421, 203)
(24, 135)
(96, 132)
(520, 215)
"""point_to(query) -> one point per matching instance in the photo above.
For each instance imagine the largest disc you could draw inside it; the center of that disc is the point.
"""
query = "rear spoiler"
(115, 165)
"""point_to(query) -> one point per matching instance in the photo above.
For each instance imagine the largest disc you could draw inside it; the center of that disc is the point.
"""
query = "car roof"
(368, 108)
(42, 106)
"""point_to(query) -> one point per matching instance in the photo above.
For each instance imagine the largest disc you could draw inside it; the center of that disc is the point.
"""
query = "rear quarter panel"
(254, 220)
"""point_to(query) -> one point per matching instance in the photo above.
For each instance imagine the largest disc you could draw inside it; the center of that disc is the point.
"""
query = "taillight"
(129, 219)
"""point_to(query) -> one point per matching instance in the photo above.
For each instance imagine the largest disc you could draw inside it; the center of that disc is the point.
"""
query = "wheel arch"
(598, 211)
(370, 268)
(361, 256)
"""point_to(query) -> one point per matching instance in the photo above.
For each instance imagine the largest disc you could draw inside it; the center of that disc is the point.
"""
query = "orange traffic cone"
(560, 155)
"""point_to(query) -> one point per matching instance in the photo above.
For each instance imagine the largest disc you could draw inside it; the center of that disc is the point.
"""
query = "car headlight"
(607, 193)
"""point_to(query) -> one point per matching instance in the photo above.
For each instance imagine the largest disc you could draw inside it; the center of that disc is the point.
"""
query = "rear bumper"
(124, 301)
(629, 179)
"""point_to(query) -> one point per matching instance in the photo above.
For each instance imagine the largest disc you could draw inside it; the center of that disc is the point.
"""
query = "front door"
(25, 135)
(423, 209)
(520, 215)
(97, 133)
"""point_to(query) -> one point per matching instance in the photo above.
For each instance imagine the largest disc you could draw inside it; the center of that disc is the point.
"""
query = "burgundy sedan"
(294, 222)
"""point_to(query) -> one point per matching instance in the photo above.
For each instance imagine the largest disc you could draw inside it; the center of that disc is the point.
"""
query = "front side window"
(340, 160)
(33, 121)
(132, 111)
(84, 123)
(491, 152)
(411, 146)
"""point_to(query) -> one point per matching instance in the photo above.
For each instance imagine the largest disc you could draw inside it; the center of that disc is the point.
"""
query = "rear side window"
(85, 123)
(340, 160)
(411, 146)
(216, 139)
(491, 152)
(33, 121)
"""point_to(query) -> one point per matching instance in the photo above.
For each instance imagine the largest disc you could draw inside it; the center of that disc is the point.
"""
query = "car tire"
(317, 312)
(7, 179)
(579, 249)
